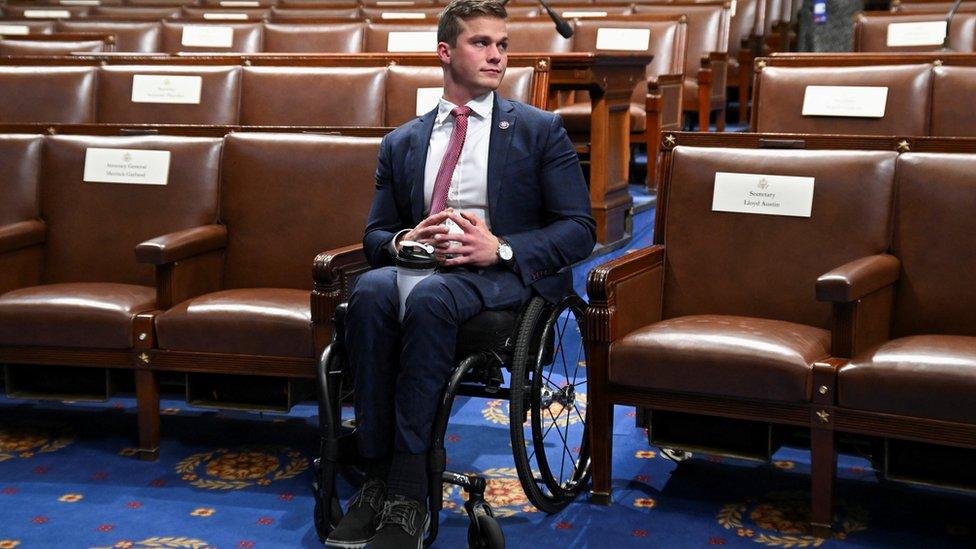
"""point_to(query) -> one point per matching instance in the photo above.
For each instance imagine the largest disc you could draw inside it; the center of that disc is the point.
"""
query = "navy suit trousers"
(401, 369)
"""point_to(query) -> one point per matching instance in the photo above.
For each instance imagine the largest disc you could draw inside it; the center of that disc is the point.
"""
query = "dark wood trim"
(217, 363)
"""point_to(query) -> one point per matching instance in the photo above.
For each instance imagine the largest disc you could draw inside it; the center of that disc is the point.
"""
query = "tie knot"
(461, 111)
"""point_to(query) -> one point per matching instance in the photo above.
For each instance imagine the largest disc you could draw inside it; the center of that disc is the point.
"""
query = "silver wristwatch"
(505, 253)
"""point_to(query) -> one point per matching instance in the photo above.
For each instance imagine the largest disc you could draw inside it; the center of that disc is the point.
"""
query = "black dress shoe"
(403, 525)
(359, 524)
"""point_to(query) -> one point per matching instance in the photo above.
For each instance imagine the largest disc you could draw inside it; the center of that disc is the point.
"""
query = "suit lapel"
(502, 129)
(417, 163)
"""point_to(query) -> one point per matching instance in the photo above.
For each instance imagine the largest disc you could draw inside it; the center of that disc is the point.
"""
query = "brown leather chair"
(131, 13)
(130, 36)
(313, 37)
(24, 46)
(246, 37)
(90, 304)
(952, 113)
(21, 229)
(719, 317)
(377, 38)
(219, 96)
(250, 308)
(537, 35)
(293, 96)
(743, 45)
(402, 83)
(871, 31)
(910, 382)
(706, 58)
(28, 26)
(64, 95)
(656, 102)
(279, 13)
(779, 97)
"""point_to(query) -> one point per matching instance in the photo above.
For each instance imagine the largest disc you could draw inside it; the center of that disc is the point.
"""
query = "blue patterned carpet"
(241, 480)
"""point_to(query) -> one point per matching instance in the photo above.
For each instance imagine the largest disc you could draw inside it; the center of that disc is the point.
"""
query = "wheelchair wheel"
(547, 404)
(484, 531)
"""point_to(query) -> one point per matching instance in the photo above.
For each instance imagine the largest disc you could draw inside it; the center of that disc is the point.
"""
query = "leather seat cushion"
(927, 376)
(78, 314)
(247, 321)
(576, 117)
(729, 356)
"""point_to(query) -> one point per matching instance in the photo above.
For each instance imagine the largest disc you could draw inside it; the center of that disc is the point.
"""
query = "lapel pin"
(503, 124)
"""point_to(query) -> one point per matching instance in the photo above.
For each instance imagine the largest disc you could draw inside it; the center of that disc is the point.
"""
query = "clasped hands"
(475, 245)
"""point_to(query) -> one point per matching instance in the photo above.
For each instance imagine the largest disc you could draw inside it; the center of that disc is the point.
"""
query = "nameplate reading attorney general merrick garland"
(849, 101)
(207, 36)
(922, 33)
(763, 194)
(160, 88)
(129, 166)
(411, 41)
(623, 39)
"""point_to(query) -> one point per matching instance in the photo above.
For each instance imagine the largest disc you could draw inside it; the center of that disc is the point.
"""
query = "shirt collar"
(480, 107)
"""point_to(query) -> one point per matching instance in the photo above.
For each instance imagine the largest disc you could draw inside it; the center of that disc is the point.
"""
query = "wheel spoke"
(562, 355)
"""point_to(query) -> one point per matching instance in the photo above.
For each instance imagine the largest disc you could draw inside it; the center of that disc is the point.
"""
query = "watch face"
(505, 252)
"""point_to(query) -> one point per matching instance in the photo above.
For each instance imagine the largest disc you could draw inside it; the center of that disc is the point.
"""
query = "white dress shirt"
(469, 184)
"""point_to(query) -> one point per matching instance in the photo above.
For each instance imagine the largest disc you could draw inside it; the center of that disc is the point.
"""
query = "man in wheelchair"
(495, 186)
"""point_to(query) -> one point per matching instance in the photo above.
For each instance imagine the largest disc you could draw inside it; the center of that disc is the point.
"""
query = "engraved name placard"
(763, 194)
(922, 33)
(847, 101)
(411, 41)
(207, 36)
(155, 88)
(623, 39)
(127, 166)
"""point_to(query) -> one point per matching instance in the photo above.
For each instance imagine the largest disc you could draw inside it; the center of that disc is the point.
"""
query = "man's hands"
(425, 232)
(477, 246)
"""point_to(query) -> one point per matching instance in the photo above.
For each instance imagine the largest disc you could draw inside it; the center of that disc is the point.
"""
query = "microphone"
(564, 29)
(949, 16)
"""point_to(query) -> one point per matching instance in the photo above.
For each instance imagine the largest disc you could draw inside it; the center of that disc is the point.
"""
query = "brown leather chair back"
(402, 83)
(536, 36)
(313, 96)
(243, 38)
(13, 46)
(767, 266)
(871, 32)
(93, 228)
(781, 90)
(743, 23)
(280, 215)
(313, 37)
(218, 14)
(666, 43)
(135, 12)
(28, 11)
(220, 94)
(64, 95)
(952, 111)
(20, 162)
(933, 237)
(378, 35)
(130, 36)
(708, 29)
(281, 14)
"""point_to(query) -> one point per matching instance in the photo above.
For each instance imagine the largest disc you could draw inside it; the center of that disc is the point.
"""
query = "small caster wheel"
(675, 455)
(484, 531)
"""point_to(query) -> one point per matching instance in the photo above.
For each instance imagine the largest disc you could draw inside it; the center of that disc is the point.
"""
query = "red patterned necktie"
(442, 184)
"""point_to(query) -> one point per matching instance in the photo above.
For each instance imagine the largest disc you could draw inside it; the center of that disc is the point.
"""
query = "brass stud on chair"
(903, 146)
(823, 389)
(824, 416)
(144, 358)
(143, 336)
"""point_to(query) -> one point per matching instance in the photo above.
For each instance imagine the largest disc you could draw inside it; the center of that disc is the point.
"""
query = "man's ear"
(444, 52)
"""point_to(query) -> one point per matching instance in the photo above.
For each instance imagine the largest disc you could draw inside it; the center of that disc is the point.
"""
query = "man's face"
(477, 61)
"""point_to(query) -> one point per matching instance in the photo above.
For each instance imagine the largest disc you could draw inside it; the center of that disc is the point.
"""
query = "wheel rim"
(558, 415)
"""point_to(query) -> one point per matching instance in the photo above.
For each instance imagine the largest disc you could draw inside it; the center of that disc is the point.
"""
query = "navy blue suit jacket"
(537, 197)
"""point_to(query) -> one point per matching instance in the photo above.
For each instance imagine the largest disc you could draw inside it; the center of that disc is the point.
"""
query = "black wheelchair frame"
(526, 351)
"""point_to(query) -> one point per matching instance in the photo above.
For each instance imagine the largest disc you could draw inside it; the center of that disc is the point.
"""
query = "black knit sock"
(408, 476)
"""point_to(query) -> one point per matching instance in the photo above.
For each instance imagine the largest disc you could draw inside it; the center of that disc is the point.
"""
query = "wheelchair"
(540, 346)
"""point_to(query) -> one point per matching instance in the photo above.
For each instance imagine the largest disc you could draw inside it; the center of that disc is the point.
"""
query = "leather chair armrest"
(333, 274)
(856, 279)
(625, 294)
(23, 234)
(718, 63)
(181, 245)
